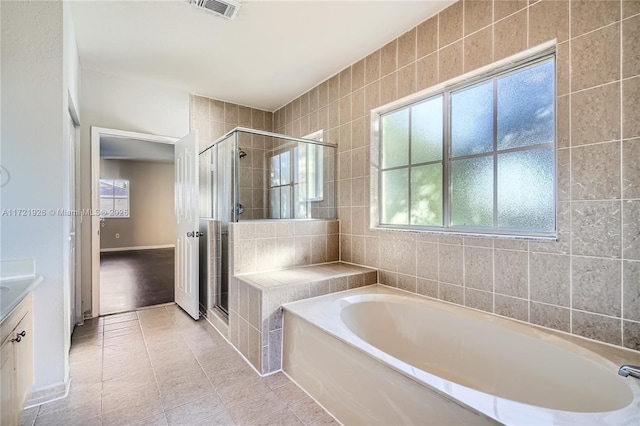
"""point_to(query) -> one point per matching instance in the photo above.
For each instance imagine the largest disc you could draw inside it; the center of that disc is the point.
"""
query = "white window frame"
(521, 60)
(116, 213)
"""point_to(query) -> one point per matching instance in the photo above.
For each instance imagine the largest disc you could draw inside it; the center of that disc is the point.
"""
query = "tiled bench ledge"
(255, 317)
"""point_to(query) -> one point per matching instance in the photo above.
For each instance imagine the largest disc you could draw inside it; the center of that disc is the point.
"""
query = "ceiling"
(117, 148)
(272, 52)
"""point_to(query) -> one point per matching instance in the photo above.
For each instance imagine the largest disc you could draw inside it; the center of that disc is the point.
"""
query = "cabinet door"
(8, 412)
(24, 360)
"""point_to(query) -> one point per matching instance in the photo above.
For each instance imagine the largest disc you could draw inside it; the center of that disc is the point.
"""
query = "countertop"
(14, 290)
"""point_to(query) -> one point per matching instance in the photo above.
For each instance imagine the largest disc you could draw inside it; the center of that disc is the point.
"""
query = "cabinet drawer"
(7, 326)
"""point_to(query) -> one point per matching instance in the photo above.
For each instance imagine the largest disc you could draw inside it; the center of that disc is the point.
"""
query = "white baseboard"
(48, 394)
(105, 250)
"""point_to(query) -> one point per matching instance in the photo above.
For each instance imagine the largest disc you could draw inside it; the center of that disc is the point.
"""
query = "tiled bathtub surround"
(264, 245)
(586, 283)
(255, 317)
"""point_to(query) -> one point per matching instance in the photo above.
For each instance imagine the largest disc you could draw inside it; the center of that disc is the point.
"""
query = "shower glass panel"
(255, 175)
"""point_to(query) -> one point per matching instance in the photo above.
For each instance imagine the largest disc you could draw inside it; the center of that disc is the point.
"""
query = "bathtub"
(377, 355)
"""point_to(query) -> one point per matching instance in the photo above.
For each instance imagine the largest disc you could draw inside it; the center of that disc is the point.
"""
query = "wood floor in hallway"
(157, 366)
(135, 279)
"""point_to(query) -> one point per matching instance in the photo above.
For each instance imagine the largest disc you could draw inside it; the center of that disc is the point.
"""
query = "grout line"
(622, 283)
(570, 224)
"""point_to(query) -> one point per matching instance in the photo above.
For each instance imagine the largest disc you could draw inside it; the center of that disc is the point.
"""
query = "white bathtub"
(377, 355)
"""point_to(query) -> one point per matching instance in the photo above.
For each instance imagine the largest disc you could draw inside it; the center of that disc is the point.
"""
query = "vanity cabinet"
(16, 359)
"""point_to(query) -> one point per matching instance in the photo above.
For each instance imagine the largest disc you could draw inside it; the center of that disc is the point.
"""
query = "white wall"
(122, 103)
(36, 79)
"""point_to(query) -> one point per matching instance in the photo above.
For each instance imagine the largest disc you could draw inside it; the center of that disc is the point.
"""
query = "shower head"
(241, 153)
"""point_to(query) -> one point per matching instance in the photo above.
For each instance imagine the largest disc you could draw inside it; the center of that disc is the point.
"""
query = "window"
(296, 179)
(114, 198)
(474, 158)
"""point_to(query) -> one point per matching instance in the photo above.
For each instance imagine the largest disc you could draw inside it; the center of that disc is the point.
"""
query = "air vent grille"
(224, 8)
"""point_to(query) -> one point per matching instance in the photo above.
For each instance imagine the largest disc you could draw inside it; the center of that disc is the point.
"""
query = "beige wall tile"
(451, 293)
(504, 8)
(345, 109)
(357, 104)
(589, 15)
(427, 37)
(548, 20)
(357, 75)
(477, 14)
(313, 99)
(595, 171)
(323, 94)
(230, 113)
(407, 48)
(631, 47)
(345, 82)
(563, 116)
(427, 287)
(631, 335)
(372, 67)
(550, 278)
(427, 71)
(512, 307)
(452, 24)
(512, 273)
(563, 174)
(631, 286)
(597, 327)
(334, 88)
(216, 110)
(630, 8)
(201, 105)
(428, 265)
(451, 59)
(596, 228)
(478, 49)
(478, 268)
(631, 229)
(631, 168)
(244, 116)
(295, 109)
(388, 88)
(595, 58)
(631, 108)
(304, 104)
(407, 80)
(450, 264)
(388, 58)
(562, 69)
(477, 299)
(334, 114)
(595, 115)
(550, 316)
(510, 35)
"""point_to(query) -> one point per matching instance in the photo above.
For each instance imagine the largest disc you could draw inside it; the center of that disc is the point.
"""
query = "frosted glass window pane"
(426, 131)
(395, 139)
(426, 195)
(395, 205)
(106, 206)
(472, 120)
(525, 189)
(275, 170)
(285, 168)
(298, 154)
(526, 107)
(472, 192)
(274, 203)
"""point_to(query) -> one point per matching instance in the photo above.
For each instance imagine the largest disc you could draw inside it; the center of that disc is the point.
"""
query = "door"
(187, 215)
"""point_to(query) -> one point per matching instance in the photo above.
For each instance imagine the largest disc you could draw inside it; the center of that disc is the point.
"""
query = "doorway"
(133, 235)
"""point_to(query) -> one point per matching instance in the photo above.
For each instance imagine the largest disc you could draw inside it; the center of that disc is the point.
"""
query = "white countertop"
(14, 290)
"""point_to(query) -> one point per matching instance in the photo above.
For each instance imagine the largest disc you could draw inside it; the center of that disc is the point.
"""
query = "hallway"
(135, 279)
(159, 367)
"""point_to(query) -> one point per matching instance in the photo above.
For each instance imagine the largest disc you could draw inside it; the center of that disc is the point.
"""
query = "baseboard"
(106, 250)
(48, 394)
(218, 322)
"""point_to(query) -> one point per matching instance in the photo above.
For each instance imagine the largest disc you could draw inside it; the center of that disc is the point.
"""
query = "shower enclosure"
(255, 175)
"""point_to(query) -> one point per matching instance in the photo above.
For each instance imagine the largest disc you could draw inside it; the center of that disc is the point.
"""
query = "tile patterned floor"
(159, 367)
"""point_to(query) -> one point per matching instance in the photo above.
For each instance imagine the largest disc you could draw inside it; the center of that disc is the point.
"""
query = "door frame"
(96, 133)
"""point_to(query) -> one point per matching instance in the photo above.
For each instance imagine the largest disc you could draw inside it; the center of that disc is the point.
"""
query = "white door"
(186, 207)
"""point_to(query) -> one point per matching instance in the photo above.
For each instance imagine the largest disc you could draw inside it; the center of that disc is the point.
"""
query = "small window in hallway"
(476, 157)
(114, 198)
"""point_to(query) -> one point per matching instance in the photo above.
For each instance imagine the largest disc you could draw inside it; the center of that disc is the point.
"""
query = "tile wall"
(586, 283)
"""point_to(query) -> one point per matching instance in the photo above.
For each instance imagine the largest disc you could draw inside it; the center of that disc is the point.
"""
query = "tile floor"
(159, 367)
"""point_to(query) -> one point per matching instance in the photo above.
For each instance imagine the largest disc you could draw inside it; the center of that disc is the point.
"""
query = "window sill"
(488, 235)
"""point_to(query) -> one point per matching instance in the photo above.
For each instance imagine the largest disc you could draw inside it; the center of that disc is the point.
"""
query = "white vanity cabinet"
(16, 359)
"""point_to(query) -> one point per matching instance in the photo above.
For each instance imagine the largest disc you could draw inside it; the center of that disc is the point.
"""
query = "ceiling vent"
(225, 8)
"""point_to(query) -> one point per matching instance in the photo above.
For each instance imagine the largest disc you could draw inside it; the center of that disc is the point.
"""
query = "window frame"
(113, 213)
(505, 67)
